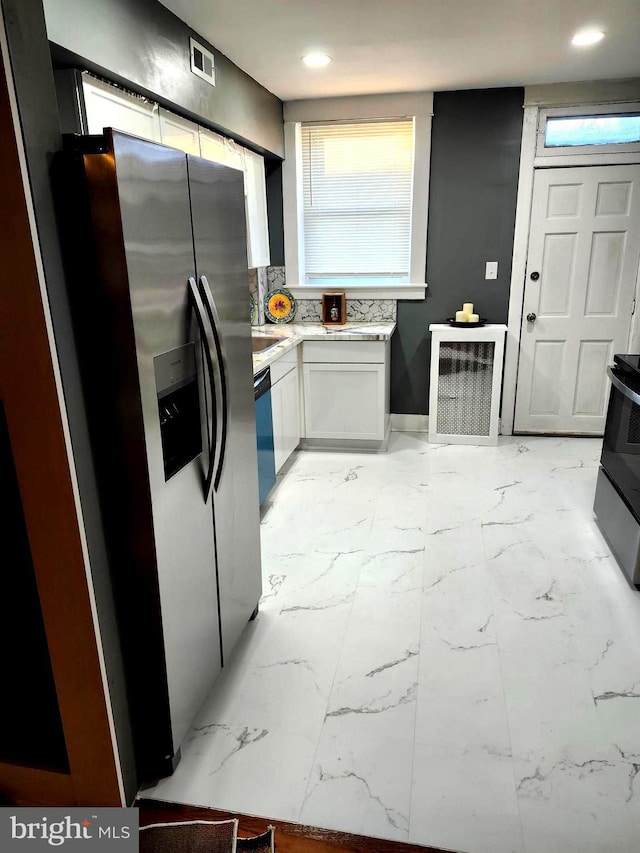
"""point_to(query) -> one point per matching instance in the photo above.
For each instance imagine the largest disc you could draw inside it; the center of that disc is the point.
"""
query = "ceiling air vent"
(202, 62)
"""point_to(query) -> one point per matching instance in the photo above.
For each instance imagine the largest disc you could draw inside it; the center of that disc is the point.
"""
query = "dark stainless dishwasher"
(264, 429)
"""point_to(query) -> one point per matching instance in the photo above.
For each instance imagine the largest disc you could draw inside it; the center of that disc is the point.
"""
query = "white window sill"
(400, 291)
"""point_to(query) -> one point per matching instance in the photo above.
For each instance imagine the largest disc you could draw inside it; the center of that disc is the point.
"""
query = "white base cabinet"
(346, 391)
(285, 406)
(344, 401)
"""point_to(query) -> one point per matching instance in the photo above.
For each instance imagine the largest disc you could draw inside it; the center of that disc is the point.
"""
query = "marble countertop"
(291, 334)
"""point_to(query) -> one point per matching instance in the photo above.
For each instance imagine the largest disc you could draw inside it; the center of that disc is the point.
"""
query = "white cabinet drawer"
(279, 369)
(284, 364)
(344, 352)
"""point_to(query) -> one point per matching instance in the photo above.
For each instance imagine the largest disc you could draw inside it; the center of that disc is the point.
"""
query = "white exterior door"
(582, 269)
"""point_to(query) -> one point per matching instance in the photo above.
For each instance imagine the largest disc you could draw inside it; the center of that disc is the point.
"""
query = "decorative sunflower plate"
(279, 306)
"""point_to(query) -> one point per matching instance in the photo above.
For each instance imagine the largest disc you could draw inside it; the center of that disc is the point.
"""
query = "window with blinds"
(357, 193)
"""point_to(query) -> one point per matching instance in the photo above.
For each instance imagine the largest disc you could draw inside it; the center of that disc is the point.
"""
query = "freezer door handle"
(209, 347)
(222, 401)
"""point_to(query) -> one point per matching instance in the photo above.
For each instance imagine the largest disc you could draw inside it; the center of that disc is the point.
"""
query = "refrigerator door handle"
(207, 335)
(222, 409)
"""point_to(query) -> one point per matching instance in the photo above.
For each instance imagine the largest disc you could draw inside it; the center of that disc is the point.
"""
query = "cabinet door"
(292, 411)
(220, 149)
(229, 153)
(179, 133)
(345, 401)
(255, 188)
(285, 401)
(277, 409)
(107, 106)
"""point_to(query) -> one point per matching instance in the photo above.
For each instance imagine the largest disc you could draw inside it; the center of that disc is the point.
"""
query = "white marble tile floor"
(446, 653)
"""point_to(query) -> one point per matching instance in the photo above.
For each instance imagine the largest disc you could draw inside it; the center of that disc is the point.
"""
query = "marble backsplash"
(265, 279)
(257, 290)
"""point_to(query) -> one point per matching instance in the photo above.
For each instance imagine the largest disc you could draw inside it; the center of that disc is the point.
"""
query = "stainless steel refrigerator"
(158, 263)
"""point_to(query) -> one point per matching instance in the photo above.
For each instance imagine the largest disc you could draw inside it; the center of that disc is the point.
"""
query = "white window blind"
(357, 192)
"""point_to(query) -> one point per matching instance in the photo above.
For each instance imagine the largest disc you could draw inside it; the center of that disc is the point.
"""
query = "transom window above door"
(610, 129)
(592, 130)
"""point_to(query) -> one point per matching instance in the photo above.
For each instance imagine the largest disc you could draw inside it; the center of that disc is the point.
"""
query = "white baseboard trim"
(410, 423)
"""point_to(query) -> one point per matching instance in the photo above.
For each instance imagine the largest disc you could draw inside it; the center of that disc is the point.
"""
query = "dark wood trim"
(334, 302)
(290, 837)
(29, 786)
(33, 404)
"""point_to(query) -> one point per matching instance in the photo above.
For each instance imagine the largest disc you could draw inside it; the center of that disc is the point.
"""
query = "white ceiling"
(417, 45)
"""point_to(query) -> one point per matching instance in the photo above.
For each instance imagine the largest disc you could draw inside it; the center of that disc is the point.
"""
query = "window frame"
(586, 110)
(418, 107)
(340, 224)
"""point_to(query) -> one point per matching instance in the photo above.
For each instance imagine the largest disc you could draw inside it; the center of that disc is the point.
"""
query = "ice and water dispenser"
(178, 407)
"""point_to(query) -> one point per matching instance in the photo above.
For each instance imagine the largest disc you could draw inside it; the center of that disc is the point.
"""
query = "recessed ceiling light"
(316, 60)
(587, 37)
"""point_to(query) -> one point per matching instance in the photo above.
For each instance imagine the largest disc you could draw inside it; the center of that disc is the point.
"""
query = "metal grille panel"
(465, 377)
(634, 425)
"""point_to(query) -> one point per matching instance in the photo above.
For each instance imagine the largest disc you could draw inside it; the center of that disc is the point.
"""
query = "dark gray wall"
(274, 213)
(475, 157)
(143, 46)
(35, 93)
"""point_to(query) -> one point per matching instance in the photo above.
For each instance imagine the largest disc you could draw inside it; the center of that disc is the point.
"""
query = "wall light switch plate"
(491, 269)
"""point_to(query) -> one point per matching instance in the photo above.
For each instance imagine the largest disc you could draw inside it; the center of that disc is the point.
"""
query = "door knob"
(531, 318)
(534, 276)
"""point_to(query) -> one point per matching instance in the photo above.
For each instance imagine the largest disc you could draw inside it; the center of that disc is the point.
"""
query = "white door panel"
(548, 358)
(585, 245)
(558, 261)
(604, 274)
(591, 377)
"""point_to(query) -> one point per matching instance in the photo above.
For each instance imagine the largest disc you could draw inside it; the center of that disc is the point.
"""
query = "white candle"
(467, 307)
(461, 317)
(474, 318)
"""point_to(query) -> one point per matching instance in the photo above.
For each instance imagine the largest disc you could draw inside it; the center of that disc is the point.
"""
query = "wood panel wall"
(32, 399)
